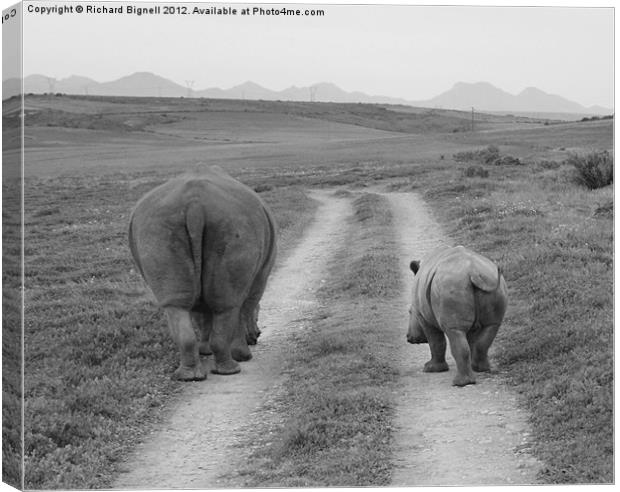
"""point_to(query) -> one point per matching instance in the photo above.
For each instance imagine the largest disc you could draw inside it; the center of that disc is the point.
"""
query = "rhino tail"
(485, 280)
(273, 247)
(132, 247)
(195, 227)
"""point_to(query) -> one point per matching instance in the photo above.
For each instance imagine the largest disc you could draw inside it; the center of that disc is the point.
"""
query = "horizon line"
(293, 86)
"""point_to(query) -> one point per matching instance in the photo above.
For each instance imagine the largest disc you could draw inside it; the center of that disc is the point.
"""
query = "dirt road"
(446, 435)
(197, 447)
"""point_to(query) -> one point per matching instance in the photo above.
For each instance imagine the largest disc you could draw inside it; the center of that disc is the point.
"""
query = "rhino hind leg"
(480, 348)
(239, 349)
(182, 332)
(461, 352)
(249, 320)
(202, 324)
(437, 344)
(225, 329)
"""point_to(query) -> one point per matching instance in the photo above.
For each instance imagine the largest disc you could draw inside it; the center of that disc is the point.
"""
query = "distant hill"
(140, 84)
(463, 96)
(40, 84)
(322, 92)
(485, 97)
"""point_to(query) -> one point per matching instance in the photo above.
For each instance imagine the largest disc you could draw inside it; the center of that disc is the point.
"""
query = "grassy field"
(97, 349)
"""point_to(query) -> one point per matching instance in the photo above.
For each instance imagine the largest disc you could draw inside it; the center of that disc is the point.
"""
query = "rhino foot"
(463, 380)
(481, 366)
(241, 354)
(252, 337)
(190, 374)
(432, 366)
(204, 348)
(227, 368)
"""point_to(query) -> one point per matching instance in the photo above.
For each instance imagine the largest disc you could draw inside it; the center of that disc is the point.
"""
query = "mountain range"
(462, 96)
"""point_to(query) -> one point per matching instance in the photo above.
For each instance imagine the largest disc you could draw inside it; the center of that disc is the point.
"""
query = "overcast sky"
(410, 51)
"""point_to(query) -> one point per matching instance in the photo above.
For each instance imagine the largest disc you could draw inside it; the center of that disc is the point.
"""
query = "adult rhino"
(462, 295)
(205, 246)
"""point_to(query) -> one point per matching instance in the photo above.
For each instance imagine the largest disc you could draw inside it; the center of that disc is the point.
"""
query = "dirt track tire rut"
(446, 435)
(199, 444)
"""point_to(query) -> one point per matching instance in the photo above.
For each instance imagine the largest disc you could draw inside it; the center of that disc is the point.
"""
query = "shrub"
(479, 171)
(487, 156)
(605, 210)
(593, 170)
(549, 164)
(464, 156)
(262, 188)
(598, 118)
(507, 160)
(490, 154)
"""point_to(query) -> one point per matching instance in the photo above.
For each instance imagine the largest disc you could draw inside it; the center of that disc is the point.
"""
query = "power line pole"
(51, 82)
(472, 119)
(190, 85)
(313, 89)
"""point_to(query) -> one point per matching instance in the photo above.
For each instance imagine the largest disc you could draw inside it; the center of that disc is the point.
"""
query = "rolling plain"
(97, 355)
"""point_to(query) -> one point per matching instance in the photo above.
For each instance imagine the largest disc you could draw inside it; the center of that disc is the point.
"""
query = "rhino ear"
(415, 266)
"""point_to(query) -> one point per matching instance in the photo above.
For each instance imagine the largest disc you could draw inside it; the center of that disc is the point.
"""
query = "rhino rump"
(202, 243)
(456, 287)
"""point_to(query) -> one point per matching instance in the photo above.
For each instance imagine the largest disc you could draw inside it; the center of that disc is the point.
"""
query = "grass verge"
(12, 472)
(336, 405)
(98, 356)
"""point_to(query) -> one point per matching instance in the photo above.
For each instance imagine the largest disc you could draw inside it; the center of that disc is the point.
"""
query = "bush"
(507, 160)
(262, 188)
(490, 154)
(472, 171)
(549, 164)
(487, 156)
(605, 210)
(594, 170)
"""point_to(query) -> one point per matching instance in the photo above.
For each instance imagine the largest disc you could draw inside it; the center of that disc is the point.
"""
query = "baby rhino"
(462, 295)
